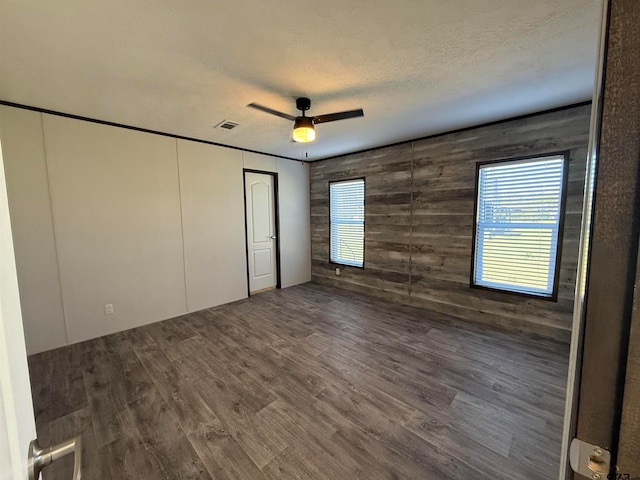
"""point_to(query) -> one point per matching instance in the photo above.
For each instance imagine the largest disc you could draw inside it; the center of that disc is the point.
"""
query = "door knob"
(273, 237)
(41, 457)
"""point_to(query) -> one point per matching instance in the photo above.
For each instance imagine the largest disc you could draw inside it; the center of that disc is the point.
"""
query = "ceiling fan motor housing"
(303, 104)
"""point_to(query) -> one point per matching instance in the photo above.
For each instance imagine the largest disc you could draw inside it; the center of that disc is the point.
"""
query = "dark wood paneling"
(419, 220)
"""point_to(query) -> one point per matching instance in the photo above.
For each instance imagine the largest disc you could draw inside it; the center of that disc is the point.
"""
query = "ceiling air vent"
(227, 125)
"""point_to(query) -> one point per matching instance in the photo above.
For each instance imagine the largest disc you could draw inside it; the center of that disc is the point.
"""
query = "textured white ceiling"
(416, 67)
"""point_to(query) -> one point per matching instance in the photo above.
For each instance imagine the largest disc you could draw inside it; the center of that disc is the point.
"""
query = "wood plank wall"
(419, 208)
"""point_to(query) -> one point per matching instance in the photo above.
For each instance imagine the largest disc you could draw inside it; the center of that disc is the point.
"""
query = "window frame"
(566, 154)
(364, 222)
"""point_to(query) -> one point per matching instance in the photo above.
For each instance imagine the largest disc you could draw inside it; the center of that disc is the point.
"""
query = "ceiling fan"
(303, 126)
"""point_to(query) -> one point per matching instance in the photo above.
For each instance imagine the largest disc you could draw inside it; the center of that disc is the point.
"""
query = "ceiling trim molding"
(139, 129)
(459, 130)
(182, 137)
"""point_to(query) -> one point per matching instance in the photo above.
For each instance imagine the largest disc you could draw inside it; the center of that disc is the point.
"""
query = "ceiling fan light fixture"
(303, 130)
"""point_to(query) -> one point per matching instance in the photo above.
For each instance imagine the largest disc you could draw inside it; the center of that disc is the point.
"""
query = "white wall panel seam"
(184, 260)
(53, 227)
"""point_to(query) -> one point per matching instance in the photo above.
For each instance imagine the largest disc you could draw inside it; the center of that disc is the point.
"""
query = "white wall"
(116, 215)
(254, 161)
(150, 224)
(213, 224)
(295, 227)
(32, 225)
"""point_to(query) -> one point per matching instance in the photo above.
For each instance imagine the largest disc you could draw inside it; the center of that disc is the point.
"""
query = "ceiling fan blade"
(272, 112)
(332, 117)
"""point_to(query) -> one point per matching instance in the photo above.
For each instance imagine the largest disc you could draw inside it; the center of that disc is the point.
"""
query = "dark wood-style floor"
(305, 383)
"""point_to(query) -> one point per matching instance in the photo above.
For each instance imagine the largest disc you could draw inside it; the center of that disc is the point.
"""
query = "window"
(518, 223)
(346, 218)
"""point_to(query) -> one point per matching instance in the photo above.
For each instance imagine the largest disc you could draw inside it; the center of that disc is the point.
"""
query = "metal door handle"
(41, 457)
(273, 237)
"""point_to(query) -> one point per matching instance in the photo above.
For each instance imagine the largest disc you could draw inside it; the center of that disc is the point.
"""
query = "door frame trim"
(276, 206)
(586, 232)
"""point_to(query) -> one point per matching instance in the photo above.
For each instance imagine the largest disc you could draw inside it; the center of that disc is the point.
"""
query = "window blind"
(517, 225)
(347, 222)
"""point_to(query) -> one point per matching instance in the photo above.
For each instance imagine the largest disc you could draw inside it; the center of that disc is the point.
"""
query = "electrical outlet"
(108, 309)
(337, 271)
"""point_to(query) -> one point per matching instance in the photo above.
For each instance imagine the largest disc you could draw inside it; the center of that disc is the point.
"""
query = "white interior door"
(261, 231)
(17, 424)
